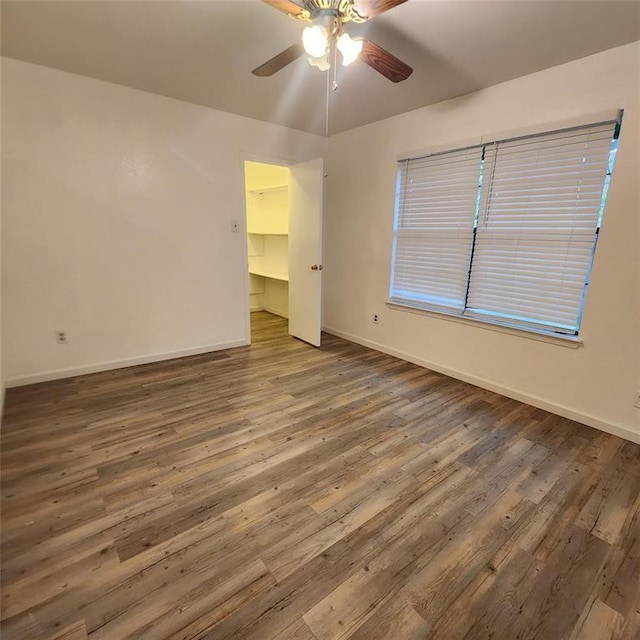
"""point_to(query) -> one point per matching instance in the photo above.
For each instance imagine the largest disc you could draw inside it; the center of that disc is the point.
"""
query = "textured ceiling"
(203, 51)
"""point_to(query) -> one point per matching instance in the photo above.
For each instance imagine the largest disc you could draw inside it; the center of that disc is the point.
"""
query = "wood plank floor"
(280, 492)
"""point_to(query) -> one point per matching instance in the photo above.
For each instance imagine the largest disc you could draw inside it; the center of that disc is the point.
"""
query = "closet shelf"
(275, 187)
(274, 275)
(267, 233)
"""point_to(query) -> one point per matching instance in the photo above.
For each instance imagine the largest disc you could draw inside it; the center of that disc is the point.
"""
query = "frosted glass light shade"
(315, 40)
(321, 63)
(349, 48)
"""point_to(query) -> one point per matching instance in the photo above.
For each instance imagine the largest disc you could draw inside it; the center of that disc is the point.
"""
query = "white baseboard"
(276, 312)
(71, 372)
(540, 403)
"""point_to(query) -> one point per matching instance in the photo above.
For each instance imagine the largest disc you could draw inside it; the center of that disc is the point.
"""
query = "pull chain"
(334, 86)
(326, 118)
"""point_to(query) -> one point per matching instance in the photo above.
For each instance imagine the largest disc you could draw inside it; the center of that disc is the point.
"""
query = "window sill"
(571, 342)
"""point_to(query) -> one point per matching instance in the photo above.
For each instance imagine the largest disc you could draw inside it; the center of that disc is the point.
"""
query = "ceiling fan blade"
(372, 8)
(384, 62)
(280, 61)
(287, 6)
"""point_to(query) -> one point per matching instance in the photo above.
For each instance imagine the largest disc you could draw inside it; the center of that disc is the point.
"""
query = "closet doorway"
(284, 243)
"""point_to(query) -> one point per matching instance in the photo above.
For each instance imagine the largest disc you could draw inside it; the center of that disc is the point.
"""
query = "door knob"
(316, 267)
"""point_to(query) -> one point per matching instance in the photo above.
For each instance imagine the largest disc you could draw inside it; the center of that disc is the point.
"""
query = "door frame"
(263, 159)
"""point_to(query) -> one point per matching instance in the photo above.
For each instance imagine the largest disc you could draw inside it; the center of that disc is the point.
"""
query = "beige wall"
(117, 207)
(595, 383)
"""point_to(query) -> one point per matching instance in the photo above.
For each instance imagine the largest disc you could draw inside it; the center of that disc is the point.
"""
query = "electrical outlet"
(637, 400)
(61, 337)
(376, 318)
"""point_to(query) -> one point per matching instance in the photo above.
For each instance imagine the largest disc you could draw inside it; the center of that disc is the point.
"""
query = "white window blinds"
(537, 227)
(504, 232)
(435, 216)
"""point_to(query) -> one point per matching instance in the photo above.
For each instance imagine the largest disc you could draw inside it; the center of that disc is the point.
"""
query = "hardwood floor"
(280, 492)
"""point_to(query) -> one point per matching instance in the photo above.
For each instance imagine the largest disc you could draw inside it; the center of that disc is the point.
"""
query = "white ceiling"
(203, 51)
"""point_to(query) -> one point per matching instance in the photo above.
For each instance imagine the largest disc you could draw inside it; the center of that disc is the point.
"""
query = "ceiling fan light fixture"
(349, 48)
(325, 19)
(315, 40)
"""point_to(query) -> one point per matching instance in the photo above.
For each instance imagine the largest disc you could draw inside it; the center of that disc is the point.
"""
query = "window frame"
(530, 328)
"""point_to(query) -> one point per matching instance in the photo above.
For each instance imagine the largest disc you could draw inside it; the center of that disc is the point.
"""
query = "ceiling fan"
(325, 20)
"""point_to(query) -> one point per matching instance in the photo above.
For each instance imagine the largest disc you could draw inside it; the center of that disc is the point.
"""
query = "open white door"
(305, 250)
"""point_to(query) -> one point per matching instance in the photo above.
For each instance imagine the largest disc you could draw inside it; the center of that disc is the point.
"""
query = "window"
(504, 232)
